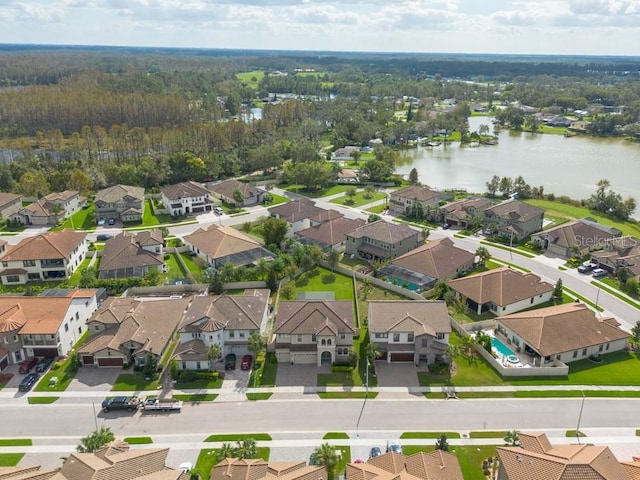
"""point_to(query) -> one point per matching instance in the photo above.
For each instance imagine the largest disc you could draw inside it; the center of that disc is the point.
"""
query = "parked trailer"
(162, 404)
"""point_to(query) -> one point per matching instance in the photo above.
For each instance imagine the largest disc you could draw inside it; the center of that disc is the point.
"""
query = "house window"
(342, 336)
(66, 327)
(313, 338)
(184, 365)
(531, 300)
(600, 348)
(440, 336)
(328, 341)
(558, 357)
(13, 278)
(241, 334)
(396, 337)
(5, 264)
(96, 327)
(607, 347)
(410, 338)
(210, 337)
(584, 352)
(79, 329)
(232, 334)
(323, 341)
(29, 263)
(575, 354)
(198, 365)
(425, 342)
(299, 338)
(33, 276)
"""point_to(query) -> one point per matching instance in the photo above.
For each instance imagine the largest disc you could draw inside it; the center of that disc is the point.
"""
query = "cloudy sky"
(595, 27)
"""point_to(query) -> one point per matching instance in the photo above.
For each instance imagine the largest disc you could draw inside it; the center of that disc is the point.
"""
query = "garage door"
(283, 356)
(4, 363)
(45, 352)
(401, 357)
(87, 359)
(110, 362)
(304, 358)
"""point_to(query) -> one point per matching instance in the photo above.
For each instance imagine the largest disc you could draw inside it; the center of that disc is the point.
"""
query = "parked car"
(394, 446)
(230, 362)
(218, 210)
(112, 221)
(446, 226)
(186, 467)
(599, 272)
(245, 363)
(27, 365)
(101, 222)
(103, 237)
(28, 382)
(44, 363)
(375, 452)
(584, 268)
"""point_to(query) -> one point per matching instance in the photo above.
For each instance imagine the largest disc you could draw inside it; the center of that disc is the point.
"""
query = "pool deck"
(525, 360)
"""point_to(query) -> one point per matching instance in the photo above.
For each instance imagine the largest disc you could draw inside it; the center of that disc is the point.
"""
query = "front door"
(325, 358)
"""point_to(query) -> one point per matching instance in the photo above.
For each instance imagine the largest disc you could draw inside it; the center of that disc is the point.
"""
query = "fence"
(167, 290)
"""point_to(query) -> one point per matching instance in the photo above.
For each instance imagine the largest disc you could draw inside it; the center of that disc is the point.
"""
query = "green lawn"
(487, 434)
(149, 219)
(359, 199)
(138, 440)
(470, 458)
(429, 434)
(251, 79)
(276, 200)
(377, 209)
(133, 381)
(335, 436)
(238, 437)
(336, 379)
(259, 396)
(333, 190)
(174, 269)
(208, 457)
(83, 219)
(65, 372)
(266, 374)
(197, 397)
(195, 265)
(346, 395)
(41, 400)
(320, 279)
(75, 278)
(16, 442)
(10, 459)
(200, 384)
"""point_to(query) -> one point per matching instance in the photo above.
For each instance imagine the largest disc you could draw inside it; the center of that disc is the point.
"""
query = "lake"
(564, 166)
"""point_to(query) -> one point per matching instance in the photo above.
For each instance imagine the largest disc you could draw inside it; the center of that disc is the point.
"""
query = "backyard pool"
(501, 348)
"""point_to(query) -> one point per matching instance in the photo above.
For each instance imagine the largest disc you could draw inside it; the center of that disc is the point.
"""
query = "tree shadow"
(328, 279)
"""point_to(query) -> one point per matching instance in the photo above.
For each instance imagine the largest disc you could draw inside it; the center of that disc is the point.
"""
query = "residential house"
(316, 332)
(620, 254)
(344, 153)
(513, 219)
(132, 255)
(219, 244)
(502, 291)
(329, 234)
(49, 210)
(120, 202)
(580, 126)
(258, 469)
(226, 192)
(302, 214)
(435, 465)
(348, 175)
(226, 320)
(536, 459)
(419, 269)
(414, 200)
(409, 330)
(48, 256)
(562, 333)
(187, 198)
(10, 204)
(575, 239)
(382, 240)
(125, 330)
(465, 213)
(44, 326)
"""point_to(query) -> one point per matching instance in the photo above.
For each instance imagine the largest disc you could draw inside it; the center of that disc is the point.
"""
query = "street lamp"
(580, 418)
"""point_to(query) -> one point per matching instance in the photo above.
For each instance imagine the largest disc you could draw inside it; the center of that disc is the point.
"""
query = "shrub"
(56, 365)
(341, 369)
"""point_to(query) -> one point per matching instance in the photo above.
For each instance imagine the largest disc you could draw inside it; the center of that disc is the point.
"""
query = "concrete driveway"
(95, 379)
(299, 375)
(397, 374)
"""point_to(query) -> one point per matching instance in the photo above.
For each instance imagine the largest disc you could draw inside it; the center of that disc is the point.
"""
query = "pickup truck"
(161, 404)
(129, 404)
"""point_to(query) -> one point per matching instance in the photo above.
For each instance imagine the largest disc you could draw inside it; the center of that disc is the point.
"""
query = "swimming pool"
(501, 347)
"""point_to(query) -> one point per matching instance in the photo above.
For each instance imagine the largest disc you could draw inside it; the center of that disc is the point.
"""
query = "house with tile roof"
(562, 333)
(382, 240)
(120, 202)
(464, 213)
(414, 200)
(219, 244)
(502, 291)
(225, 191)
(125, 329)
(258, 469)
(302, 214)
(618, 254)
(513, 219)
(132, 255)
(575, 239)
(226, 320)
(44, 326)
(187, 198)
(316, 332)
(50, 209)
(537, 459)
(329, 234)
(409, 331)
(48, 256)
(420, 268)
(10, 204)
(435, 465)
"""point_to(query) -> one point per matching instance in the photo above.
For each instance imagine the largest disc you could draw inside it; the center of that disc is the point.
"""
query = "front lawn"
(200, 384)
(265, 376)
(359, 199)
(276, 200)
(138, 440)
(197, 397)
(128, 382)
(238, 437)
(83, 219)
(338, 379)
(470, 458)
(333, 190)
(10, 459)
(16, 442)
(347, 395)
(259, 396)
(65, 372)
(41, 400)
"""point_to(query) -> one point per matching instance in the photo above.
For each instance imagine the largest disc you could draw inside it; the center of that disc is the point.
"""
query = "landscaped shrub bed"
(193, 375)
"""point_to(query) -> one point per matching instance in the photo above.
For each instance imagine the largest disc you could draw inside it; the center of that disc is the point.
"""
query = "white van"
(599, 272)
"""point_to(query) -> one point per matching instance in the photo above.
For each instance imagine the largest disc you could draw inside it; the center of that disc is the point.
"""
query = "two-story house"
(314, 332)
(382, 240)
(620, 254)
(187, 198)
(414, 200)
(132, 255)
(120, 202)
(125, 330)
(464, 213)
(225, 320)
(329, 234)
(10, 204)
(49, 210)
(409, 330)
(228, 190)
(302, 214)
(48, 256)
(575, 239)
(513, 219)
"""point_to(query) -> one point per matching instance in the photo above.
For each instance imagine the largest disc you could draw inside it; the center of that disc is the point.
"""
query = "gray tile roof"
(184, 190)
(417, 316)
(384, 232)
(314, 316)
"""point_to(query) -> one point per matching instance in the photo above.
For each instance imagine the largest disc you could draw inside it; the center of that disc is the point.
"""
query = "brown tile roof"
(218, 241)
(436, 465)
(148, 322)
(228, 187)
(33, 315)
(118, 192)
(27, 473)
(297, 210)
(417, 316)
(568, 234)
(193, 350)
(632, 468)
(437, 259)
(60, 196)
(384, 232)
(502, 286)
(331, 232)
(232, 312)
(314, 316)
(8, 198)
(459, 208)
(124, 250)
(184, 190)
(569, 462)
(562, 328)
(416, 192)
(50, 245)
(515, 210)
(257, 469)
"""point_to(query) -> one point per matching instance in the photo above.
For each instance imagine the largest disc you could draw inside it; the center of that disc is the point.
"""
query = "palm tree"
(246, 448)
(452, 352)
(226, 451)
(483, 255)
(333, 257)
(214, 352)
(325, 455)
(373, 351)
(512, 438)
(255, 343)
(95, 440)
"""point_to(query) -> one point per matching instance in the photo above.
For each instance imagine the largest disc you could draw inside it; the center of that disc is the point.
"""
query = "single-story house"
(226, 192)
(502, 291)
(187, 198)
(420, 268)
(409, 330)
(575, 239)
(120, 202)
(318, 332)
(382, 240)
(132, 255)
(435, 465)
(513, 218)
(219, 244)
(302, 214)
(563, 333)
(258, 469)
(10, 204)
(329, 234)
